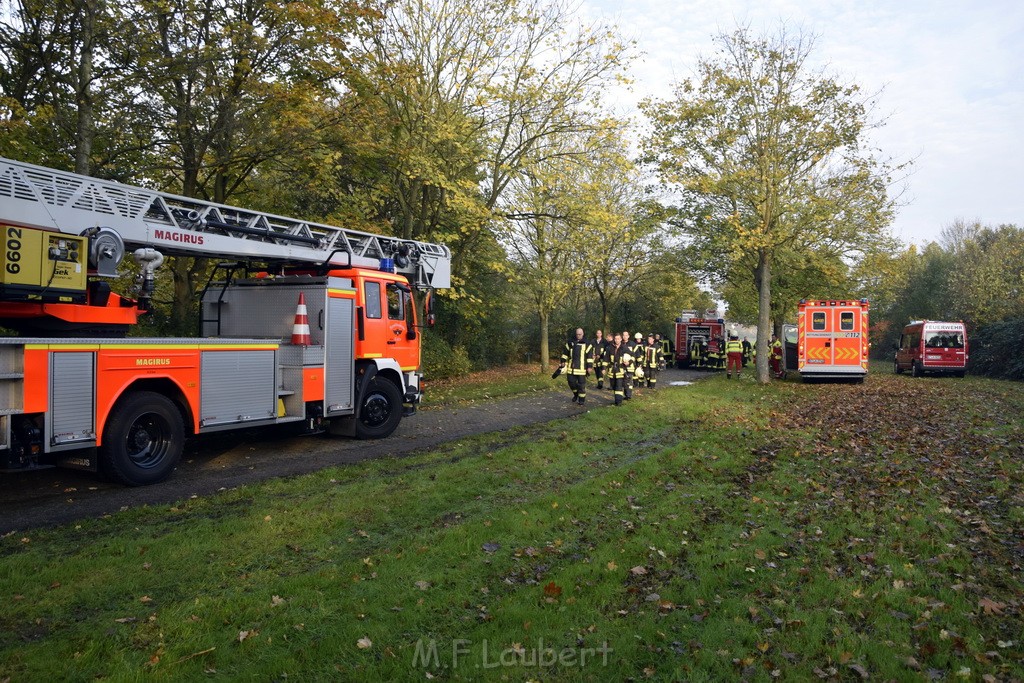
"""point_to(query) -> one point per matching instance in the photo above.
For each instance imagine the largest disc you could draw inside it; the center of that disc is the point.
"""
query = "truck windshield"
(944, 340)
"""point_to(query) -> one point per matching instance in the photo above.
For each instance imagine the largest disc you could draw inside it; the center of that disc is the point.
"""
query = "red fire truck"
(74, 391)
(832, 339)
(700, 342)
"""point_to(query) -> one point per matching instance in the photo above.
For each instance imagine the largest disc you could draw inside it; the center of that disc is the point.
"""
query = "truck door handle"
(392, 341)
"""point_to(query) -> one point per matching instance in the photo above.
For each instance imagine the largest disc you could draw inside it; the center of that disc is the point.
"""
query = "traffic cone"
(300, 330)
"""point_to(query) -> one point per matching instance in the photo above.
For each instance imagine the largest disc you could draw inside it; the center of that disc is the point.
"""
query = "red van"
(932, 346)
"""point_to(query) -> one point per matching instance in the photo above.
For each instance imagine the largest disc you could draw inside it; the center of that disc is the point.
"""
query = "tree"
(47, 73)
(546, 239)
(986, 282)
(770, 159)
(225, 86)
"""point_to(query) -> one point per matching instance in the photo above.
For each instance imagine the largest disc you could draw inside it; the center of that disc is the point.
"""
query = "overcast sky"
(951, 74)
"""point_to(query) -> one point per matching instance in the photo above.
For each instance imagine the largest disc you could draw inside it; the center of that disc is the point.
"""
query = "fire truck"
(832, 339)
(698, 341)
(305, 323)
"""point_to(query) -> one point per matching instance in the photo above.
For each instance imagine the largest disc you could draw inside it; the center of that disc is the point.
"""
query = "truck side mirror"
(429, 308)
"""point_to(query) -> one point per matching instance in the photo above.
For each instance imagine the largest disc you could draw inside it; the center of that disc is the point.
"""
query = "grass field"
(722, 530)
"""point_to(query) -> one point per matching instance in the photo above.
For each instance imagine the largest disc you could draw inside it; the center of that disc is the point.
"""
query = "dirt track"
(52, 497)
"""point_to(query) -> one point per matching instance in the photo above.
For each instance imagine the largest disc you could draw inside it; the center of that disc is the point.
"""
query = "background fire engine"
(74, 391)
(708, 333)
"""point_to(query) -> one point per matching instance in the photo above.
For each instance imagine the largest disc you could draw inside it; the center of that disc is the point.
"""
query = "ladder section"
(68, 202)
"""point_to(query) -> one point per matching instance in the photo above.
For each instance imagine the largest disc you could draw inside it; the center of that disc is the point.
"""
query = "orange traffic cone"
(300, 330)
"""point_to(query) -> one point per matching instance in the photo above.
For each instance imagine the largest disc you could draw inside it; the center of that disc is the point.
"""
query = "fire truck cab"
(832, 339)
(932, 346)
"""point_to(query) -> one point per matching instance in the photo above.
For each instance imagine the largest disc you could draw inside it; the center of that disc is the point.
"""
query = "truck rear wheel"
(143, 439)
(915, 369)
(381, 410)
(896, 368)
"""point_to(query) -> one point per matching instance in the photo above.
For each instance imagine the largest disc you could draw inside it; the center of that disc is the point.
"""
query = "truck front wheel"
(380, 411)
(143, 440)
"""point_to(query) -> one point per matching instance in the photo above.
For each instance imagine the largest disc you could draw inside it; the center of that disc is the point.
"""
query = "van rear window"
(944, 340)
(818, 320)
(846, 321)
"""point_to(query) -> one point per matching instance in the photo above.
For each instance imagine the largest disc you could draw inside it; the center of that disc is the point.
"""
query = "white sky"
(951, 74)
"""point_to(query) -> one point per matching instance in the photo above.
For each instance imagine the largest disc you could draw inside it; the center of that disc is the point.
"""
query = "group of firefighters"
(713, 354)
(622, 362)
(627, 363)
(733, 355)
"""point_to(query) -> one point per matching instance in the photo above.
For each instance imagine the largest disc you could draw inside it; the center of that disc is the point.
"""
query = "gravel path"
(51, 497)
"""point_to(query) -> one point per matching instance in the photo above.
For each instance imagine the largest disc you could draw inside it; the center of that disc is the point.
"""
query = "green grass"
(488, 385)
(718, 531)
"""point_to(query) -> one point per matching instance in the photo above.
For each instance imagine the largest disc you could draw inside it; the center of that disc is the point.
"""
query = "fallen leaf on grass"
(364, 643)
(422, 585)
(276, 601)
(552, 590)
(638, 570)
(861, 671)
(492, 547)
(991, 607)
(243, 635)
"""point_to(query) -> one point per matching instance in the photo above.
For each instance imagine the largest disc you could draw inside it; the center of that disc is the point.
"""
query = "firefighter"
(775, 359)
(712, 353)
(734, 351)
(598, 351)
(747, 346)
(627, 384)
(652, 360)
(666, 350)
(636, 349)
(617, 366)
(578, 361)
(696, 352)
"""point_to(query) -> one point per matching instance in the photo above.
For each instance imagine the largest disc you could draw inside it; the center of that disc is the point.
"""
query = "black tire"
(896, 368)
(915, 369)
(143, 439)
(959, 374)
(381, 410)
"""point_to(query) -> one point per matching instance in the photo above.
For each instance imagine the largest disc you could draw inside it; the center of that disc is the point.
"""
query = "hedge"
(997, 350)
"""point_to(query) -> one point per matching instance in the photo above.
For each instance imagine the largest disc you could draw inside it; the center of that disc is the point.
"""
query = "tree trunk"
(604, 308)
(184, 292)
(85, 129)
(545, 354)
(763, 277)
